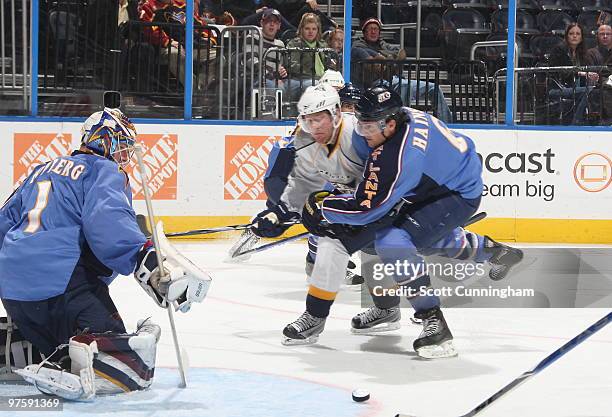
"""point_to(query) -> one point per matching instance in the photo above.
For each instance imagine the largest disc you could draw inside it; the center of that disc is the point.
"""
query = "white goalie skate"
(245, 242)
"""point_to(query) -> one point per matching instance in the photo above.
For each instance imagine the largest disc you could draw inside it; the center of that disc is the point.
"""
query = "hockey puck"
(360, 395)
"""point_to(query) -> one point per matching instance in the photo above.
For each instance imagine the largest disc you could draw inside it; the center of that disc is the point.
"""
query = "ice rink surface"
(238, 368)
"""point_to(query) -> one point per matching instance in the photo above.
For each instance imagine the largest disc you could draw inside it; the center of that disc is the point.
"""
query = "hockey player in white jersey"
(323, 152)
(281, 162)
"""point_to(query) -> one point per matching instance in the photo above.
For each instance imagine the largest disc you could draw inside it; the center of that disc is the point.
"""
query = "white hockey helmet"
(333, 78)
(318, 98)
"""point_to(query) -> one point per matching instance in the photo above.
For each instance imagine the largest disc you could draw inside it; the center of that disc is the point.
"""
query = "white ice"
(234, 336)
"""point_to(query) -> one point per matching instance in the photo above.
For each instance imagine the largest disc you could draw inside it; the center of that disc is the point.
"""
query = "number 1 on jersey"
(44, 188)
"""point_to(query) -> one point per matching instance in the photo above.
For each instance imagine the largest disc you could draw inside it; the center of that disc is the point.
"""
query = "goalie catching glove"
(182, 282)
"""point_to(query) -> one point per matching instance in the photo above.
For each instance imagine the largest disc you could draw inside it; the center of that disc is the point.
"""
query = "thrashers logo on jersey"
(161, 167)
(33, 149)
(246, 161)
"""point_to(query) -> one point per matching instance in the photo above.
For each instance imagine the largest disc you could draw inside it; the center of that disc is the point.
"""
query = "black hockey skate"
(503, 258)
(304, 331)
(436, 339)
(376, 320)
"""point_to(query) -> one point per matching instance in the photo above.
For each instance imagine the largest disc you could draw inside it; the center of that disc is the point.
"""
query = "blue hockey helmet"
(349, 94)
(109, 133)
(376, 106)
(378, 103)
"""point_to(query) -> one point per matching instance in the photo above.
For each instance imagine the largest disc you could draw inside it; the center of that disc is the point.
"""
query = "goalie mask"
(109, 133)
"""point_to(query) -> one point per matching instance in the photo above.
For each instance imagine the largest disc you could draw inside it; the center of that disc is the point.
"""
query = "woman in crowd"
(572, 86)
(306, 67)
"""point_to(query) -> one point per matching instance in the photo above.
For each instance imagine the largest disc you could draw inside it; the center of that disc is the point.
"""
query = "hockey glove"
(311, 213)
(270, 222)
(148, 275)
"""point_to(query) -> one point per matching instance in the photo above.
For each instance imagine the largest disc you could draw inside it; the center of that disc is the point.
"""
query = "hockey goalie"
(65, 234)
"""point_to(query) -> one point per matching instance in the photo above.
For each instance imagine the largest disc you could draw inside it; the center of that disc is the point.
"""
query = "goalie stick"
(164, 277)
(476, 218)
(543, 364)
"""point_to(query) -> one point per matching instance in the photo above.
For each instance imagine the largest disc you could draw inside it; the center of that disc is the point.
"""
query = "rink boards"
(541, 186)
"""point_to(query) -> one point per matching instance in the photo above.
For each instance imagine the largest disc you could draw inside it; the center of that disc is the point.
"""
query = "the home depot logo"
(593, 172)
(33, 149)
(160, 155)
(246, 161)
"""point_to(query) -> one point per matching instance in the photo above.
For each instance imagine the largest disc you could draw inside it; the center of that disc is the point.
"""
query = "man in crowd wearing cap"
(371, 46)
(273, 70)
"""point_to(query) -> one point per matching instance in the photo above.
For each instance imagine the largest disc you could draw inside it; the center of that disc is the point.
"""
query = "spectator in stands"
(294, 10)
(256, 17)
(274, 72)
(170, 39)
(335, 40)
(371, 46)
(572, 86)
(602, 53)
(306, 67)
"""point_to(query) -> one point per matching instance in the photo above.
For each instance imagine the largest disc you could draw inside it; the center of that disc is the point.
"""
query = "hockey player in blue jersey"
(422, 181)
(65, 234)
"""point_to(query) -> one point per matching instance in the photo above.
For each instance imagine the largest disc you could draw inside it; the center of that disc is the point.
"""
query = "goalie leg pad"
(102, 364)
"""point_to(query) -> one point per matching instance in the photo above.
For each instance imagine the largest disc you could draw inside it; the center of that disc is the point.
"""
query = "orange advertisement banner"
(246, 161)
(160, 155)
(33, 149)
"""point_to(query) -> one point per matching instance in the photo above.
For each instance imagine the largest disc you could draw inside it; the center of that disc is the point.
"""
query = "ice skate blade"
(236, 260)
(381, 328)
(445, 350)
(287, 341)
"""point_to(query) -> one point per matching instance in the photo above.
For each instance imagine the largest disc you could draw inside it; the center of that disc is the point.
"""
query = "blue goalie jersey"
(72, 212)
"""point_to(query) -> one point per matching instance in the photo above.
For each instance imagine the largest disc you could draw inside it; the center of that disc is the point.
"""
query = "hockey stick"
(160, 262)
(219, 229)
(476, 218)
(272, 245)
(544, 363)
